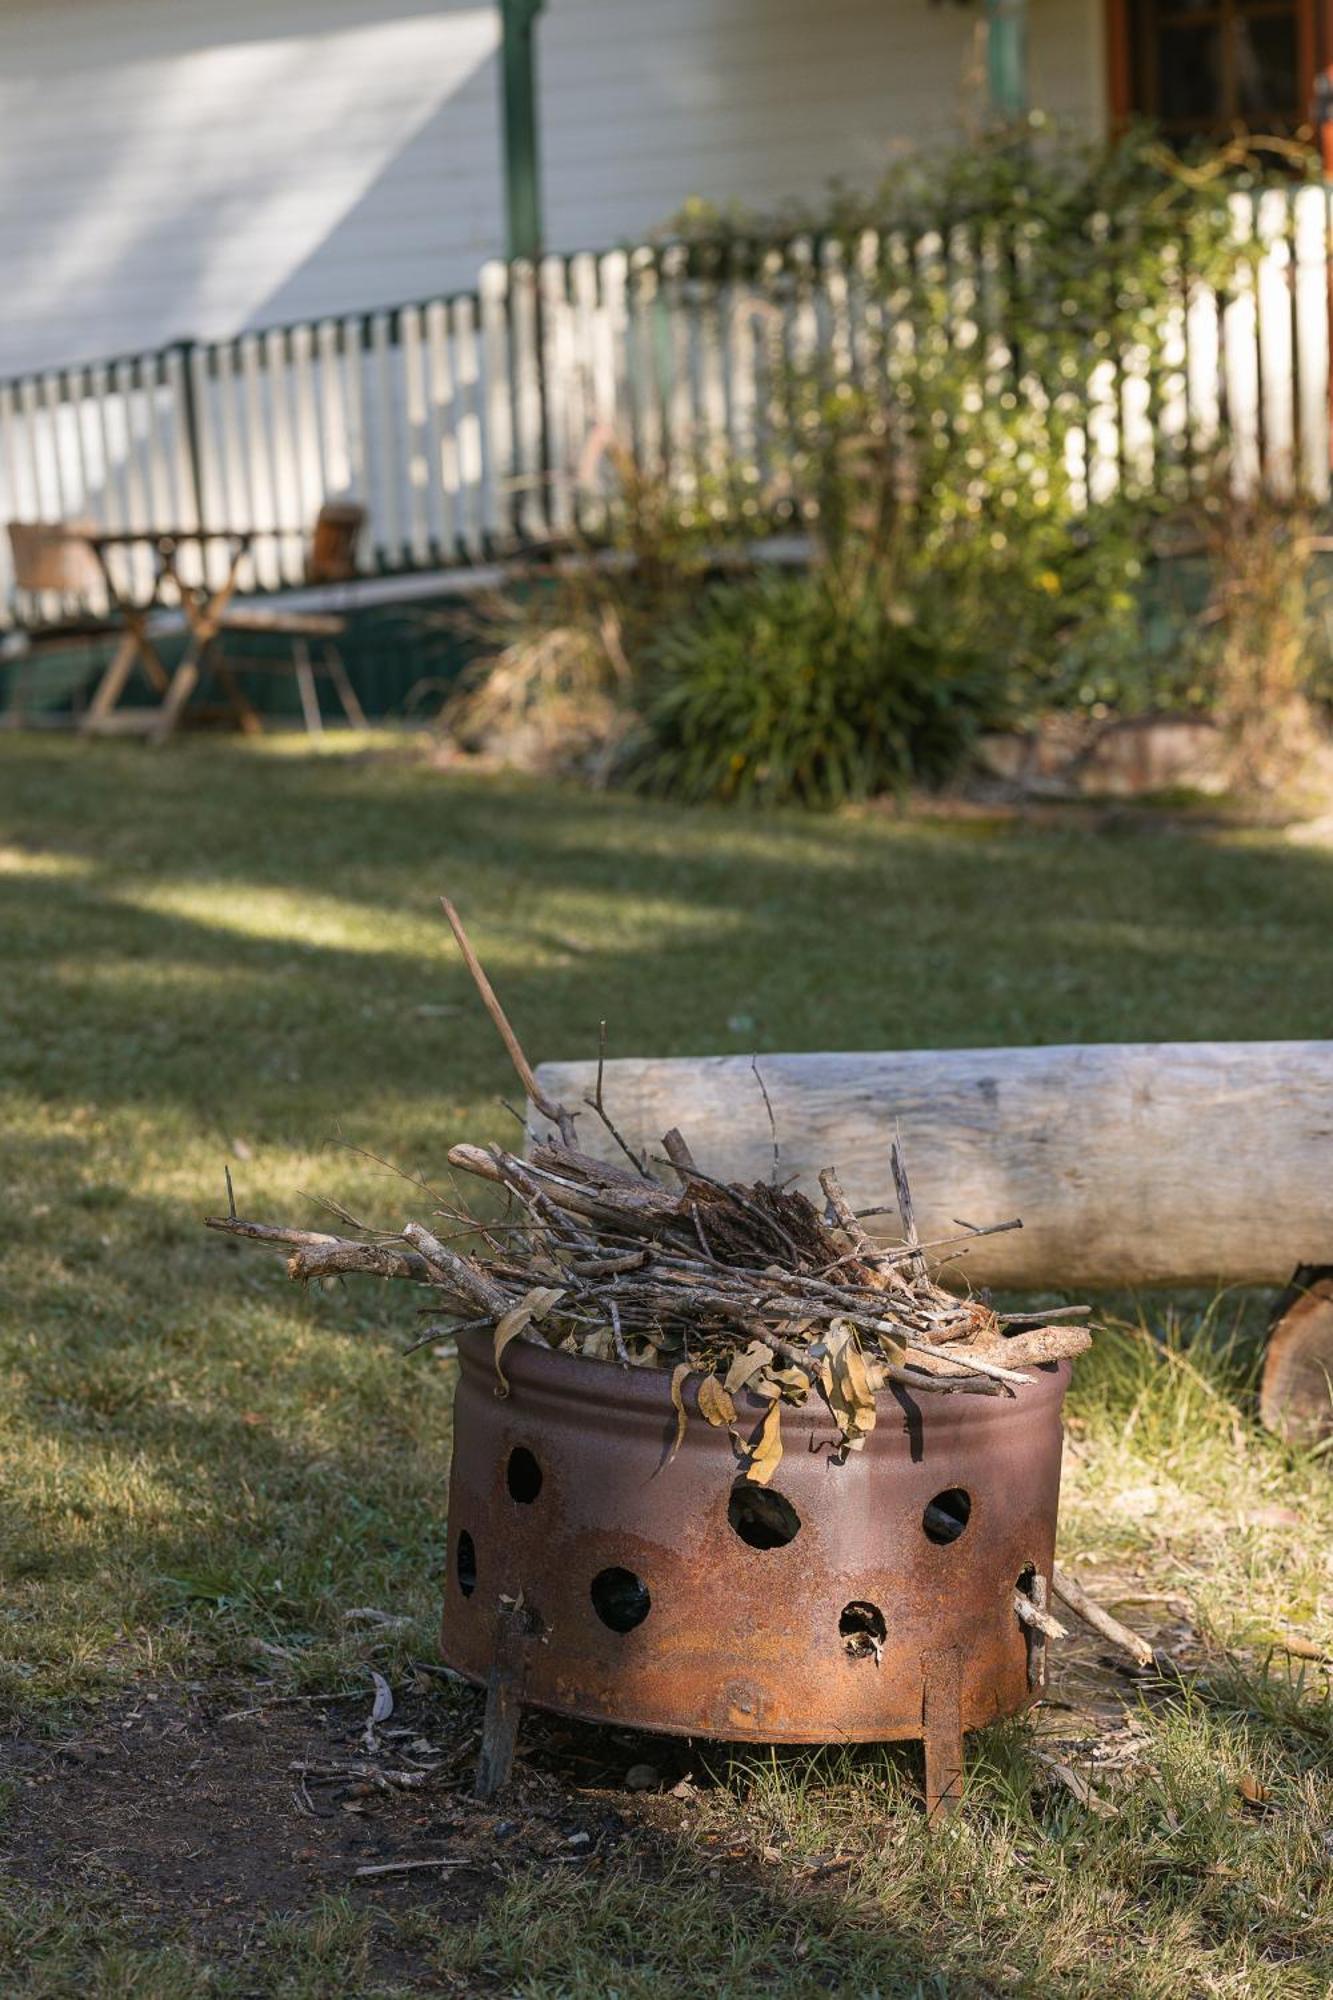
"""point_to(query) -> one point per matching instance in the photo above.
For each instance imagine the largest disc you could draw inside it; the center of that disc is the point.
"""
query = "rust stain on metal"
(670, 1605)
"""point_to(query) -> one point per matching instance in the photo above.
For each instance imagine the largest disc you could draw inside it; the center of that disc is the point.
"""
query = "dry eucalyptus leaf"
(1254, 1793)
(714, 1402)
(382, 1707)
(793, 1382)
(746, 1366)
(534, 1305)
(766, 1447)
(678, 1378)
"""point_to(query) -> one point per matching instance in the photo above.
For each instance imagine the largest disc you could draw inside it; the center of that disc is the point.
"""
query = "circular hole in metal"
(1026, 1582)
(947, 1515)
(762, 1518)
(863, 1630)
(465, 1563)
(620, 1598)
(523, 1476)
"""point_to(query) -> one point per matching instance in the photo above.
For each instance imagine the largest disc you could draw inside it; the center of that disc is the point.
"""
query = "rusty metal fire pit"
(593, 1574)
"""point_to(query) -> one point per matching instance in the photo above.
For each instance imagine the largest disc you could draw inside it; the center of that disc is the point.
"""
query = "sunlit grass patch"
(304, 917)
(1168, 1470)
(33, 861)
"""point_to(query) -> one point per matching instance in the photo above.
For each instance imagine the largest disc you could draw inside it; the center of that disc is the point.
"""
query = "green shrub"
(790, 687)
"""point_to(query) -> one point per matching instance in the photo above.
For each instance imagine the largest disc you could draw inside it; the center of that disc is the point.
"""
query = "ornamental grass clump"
(787, 687)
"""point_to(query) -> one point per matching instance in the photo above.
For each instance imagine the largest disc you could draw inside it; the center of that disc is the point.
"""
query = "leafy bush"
(1009, 290)
(786, 687)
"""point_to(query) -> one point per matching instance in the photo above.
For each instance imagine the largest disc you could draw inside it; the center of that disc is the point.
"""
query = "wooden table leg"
(244, 713)
(309, 693)
(183, 684)
(338, 674)
(111, 686)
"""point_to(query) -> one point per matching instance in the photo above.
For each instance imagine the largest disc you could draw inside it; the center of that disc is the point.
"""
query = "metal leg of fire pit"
(942, 1731)
(515, 1628)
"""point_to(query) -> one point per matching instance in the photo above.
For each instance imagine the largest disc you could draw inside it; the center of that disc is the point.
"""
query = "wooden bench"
(1180, 1163)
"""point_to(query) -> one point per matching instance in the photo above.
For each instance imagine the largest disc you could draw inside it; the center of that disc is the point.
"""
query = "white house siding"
(759, 100)
(751, 100)
(172, 167)
(181, 167)
(1067, 61)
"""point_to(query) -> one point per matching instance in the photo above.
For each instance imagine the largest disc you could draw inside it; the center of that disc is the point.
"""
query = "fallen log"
(1137, 1164)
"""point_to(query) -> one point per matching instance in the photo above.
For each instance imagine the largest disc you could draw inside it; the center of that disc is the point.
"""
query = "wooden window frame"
(1314, 27)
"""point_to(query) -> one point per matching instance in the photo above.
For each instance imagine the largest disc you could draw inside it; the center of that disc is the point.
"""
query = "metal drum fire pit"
(594, 1574)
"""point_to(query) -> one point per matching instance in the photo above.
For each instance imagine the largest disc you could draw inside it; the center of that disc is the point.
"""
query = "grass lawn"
(232, 954)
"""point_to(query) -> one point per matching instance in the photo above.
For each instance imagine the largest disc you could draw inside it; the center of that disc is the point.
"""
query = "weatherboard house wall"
(171, 168)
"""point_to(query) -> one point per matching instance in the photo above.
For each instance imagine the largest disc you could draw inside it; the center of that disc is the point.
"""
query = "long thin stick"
(1072, 1593)
(557, 1113)
(772, 1121)
(916, 1263)
(402, 1867)
(967, 1361)
(316, 1255)
(596, 1104)
(268, 1232)
(1040, 1621)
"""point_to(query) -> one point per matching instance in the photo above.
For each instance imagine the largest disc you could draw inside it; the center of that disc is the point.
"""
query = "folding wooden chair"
(56, 572)
(331, 558)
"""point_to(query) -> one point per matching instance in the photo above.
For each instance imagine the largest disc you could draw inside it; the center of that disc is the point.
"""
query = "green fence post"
(1007, 59)
(522, 166)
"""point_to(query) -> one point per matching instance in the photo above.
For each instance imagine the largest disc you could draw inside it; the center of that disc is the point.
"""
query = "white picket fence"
(474, 427)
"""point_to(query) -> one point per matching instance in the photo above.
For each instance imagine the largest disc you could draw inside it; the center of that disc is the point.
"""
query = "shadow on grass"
(258, 938)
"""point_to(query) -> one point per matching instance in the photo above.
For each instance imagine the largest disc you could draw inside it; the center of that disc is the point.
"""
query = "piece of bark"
(1027, 1350)
(915, 1263)
(942, 1731)
(1295, 1399)
(514, 1633)
(634, 1218)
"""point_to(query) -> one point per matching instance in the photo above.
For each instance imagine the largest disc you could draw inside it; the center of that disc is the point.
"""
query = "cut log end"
(1296, 1393)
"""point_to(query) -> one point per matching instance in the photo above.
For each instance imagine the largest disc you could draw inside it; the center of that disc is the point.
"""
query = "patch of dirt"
(218, 1817)
(215, 1816)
